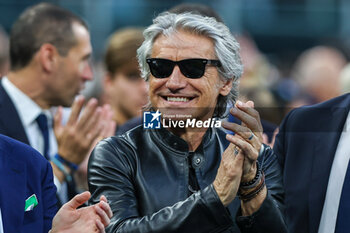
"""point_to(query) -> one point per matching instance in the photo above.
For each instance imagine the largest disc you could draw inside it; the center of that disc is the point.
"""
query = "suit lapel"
(331, 121)
(10, 123)
(12, 176)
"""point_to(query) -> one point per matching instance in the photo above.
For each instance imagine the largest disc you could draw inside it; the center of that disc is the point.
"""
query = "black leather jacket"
(144, 175)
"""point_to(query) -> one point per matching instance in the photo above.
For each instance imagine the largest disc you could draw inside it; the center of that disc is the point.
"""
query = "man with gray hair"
(181, 172)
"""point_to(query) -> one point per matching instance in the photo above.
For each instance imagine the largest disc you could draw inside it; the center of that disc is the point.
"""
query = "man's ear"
(226, 88)
(48, 57)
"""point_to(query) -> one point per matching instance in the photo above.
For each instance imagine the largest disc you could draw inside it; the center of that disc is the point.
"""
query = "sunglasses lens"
(160, 68)
(192, 68)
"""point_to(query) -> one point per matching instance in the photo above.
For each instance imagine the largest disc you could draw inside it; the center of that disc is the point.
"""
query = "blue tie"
(343, 218)
(42, 122)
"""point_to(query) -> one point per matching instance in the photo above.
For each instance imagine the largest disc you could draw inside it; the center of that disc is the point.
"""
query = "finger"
(251, 117)
(109, 125)
(57, 120)
(265, 139)
(247, 149)
(248, 107)
(93, 121)
(103, 198)
(94, 135)
(106, 208)
(88, 111)
(228, 152)
(244, 132)
(111, 129)
(108, 113)
(100, 226)
(277, 130)
(250, 104)
(240, 130)
(103, 215)
(75, 110)
(78, 200)
(248, 121)
(106, 117)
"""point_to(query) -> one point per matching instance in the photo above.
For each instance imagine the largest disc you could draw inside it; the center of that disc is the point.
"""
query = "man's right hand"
(76, 138)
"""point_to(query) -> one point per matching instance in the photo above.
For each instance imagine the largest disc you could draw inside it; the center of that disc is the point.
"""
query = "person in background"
(50, 62)
(4, 53)
(28, 200)
(317, 71)
(123, 86)
(313, 150)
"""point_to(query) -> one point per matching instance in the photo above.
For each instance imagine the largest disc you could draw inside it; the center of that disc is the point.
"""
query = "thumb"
(111, 128)
(274, 137)
(265, 139)
(103, 198)
(250, 104)
(78, 200)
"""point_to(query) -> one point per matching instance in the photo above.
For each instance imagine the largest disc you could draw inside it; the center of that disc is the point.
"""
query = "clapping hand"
(238, 163)
(83, 129)
(94, 218)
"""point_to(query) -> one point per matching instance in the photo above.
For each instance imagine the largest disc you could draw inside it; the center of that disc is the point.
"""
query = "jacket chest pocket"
(30, 216)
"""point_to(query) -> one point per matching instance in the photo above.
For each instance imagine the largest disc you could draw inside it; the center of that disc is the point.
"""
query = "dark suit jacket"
(23, 172)
(10, 123)
(305, 147)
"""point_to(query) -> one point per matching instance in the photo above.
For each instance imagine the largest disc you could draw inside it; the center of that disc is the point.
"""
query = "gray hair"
(225, 45)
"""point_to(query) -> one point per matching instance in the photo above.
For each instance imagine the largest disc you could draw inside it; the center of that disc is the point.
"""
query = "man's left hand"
(248, 136)
(94, 218)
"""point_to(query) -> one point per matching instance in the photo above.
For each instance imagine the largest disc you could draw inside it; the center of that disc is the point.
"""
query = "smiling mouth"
(177, 99)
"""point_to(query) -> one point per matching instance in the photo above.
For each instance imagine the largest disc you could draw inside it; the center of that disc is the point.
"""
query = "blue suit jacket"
(23, 172)
(305, 147)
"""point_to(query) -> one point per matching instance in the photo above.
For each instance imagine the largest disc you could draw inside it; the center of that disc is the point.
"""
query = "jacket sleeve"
(111, 172)
(280, 145)
(48, 196)
(269, 217)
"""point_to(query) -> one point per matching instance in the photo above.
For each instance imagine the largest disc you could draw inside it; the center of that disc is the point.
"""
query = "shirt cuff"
(57, 183)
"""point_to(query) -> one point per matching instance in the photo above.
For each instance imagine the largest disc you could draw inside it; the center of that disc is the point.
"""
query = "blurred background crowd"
(295, 52)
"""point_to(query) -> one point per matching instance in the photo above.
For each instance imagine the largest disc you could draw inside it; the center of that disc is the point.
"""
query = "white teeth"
(178, 99)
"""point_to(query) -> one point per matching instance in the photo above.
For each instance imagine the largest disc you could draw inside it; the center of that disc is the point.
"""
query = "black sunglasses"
(191, 68)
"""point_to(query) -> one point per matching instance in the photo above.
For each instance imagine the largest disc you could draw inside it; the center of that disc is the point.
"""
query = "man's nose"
(176, 80)
(87, 73)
